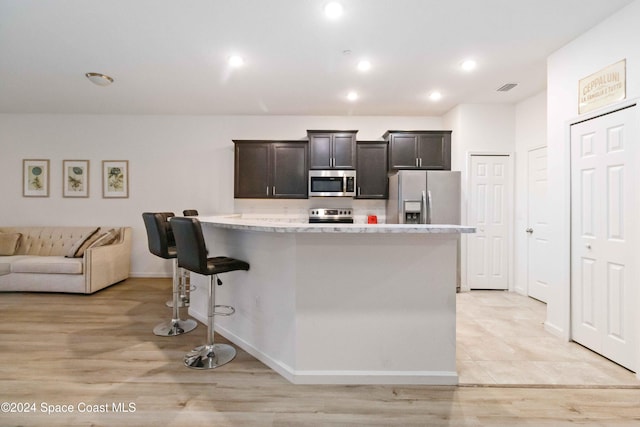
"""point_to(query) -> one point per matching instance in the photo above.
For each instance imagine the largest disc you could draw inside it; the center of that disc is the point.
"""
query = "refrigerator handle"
(429, 205)
(424, 208)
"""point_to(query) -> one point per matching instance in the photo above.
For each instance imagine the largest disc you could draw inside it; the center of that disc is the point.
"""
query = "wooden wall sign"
(603, 87)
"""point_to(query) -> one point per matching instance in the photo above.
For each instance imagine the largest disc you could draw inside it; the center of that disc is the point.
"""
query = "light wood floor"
(77, 350)
(501, 340)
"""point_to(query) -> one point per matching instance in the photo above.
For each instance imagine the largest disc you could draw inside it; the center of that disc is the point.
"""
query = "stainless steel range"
(331, 216)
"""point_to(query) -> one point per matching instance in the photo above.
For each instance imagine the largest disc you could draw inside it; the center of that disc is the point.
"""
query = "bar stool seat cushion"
(223, 264)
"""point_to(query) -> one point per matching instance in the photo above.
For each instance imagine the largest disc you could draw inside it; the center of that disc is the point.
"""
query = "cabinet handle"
(273, 193)
(420, 161)
(417, 165)
(358, 191)
(267, 190)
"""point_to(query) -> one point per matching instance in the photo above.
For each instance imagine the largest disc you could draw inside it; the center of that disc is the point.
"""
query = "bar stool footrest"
(229, 312)
(181, 303)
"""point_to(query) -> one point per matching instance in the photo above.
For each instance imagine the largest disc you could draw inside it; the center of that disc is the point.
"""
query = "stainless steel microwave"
(332, 183)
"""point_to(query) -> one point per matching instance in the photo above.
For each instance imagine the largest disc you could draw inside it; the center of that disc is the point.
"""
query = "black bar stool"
(185, 282)
(162, 244)
(192, 255)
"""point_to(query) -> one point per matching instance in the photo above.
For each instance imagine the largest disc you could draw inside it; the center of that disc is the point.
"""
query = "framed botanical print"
(115, 179)
(35, 177)
(75, 178)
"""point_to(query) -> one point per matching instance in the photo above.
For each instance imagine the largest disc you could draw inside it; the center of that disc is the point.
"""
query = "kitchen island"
(339, 304)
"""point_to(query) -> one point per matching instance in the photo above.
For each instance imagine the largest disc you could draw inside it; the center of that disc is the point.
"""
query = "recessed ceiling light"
(333, 10)
(468, 65)
(236, 61)
(352, 96)
(99, 79)
(435, 96)
(364, 65)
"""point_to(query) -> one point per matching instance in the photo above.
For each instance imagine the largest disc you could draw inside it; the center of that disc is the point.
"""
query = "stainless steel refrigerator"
(425, 197)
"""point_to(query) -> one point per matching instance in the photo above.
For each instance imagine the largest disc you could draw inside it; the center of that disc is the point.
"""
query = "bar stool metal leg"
(211, 355)
(175, 326)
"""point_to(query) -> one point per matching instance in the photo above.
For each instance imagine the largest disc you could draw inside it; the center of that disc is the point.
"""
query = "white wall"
(531, 132)
(478, 128)
(614, 39)
(176, 163)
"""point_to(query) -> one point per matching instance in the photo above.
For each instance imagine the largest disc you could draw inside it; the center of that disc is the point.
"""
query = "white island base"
(342, 307)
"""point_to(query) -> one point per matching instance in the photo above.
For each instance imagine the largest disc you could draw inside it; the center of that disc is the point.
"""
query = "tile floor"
(501, 340)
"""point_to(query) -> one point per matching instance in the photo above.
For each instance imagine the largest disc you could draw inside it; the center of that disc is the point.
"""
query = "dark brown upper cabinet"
(419, 149)
(332, 149)
(270, 169)
(371, 170)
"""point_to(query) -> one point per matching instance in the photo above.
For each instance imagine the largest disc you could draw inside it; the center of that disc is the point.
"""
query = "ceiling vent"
(507, 87)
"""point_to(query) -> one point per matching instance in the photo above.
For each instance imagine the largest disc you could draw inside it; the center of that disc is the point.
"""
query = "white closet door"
(604, 234)
(487, 249)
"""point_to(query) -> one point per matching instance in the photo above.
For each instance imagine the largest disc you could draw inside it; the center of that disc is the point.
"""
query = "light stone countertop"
(283, 224)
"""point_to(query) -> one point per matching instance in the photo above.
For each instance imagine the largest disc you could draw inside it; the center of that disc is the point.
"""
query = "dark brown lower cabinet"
(371, 170)
(270, 169)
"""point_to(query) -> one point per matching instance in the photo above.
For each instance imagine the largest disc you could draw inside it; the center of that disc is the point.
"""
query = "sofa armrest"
(106, 265)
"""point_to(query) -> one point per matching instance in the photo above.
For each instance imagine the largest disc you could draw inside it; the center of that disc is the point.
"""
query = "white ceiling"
(169, 56)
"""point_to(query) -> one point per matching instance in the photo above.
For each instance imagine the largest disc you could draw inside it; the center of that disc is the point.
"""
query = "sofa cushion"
(81, 245)
(106, 238)
(47, 264)
(9, 243)
(5, 265)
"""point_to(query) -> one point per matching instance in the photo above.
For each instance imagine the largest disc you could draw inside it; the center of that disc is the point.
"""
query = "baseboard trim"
(377, 377)
(449, 378)
(553, 329)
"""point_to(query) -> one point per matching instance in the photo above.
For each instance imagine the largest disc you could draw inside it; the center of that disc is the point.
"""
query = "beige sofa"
(63, 259)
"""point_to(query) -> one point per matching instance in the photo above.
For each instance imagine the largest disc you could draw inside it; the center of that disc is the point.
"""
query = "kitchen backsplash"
(300, 208)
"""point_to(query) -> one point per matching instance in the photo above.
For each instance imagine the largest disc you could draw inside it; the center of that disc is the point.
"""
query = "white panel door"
(488, 257)
(538, 262)
(604, 234)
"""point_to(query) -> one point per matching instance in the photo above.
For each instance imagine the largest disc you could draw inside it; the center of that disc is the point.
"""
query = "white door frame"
(466, 191)
(564, 295)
